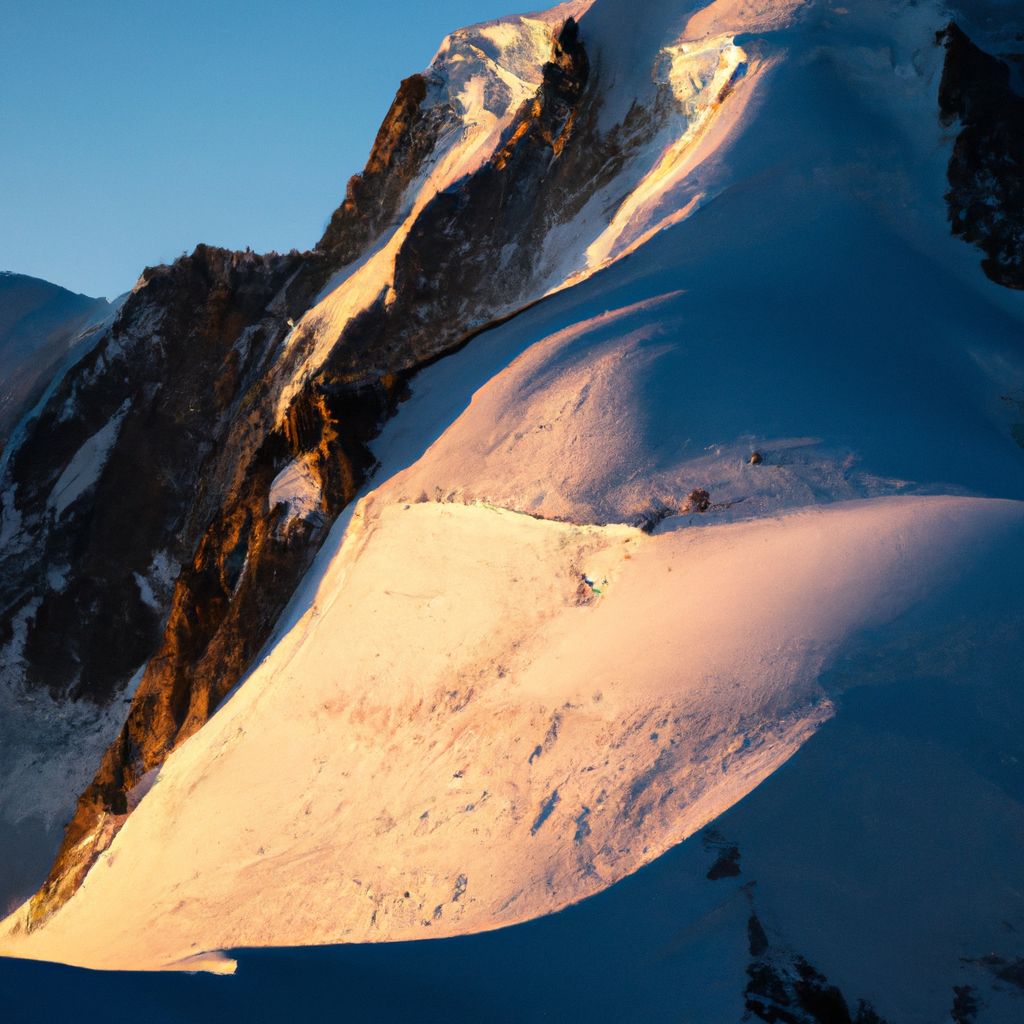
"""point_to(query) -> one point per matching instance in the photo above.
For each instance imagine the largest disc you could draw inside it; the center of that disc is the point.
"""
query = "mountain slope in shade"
(43, 329)
(39, 325)
(496, 693)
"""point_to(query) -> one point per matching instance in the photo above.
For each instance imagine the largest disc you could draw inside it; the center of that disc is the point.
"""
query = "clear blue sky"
(130, 131)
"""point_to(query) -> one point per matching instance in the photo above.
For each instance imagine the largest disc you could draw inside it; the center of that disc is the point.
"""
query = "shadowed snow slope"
(39, 324)
(816, 310)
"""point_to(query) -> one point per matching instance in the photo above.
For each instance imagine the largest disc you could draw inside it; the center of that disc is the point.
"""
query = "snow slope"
(540, 742)
(816, 311)
(454, 732)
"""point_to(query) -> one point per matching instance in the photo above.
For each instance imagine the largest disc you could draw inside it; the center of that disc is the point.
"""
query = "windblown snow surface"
(454, 730)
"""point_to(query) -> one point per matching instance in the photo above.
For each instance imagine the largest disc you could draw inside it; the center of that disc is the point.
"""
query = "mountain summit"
(639, 449)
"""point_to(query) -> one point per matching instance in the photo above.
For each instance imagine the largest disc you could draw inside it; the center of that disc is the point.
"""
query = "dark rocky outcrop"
(727, 856)
(476, 251)
(965, 1005)
(471, 254)
(986, 170)
(783, 987)
(727, 865)
(757, 938)
(784, 990)
(407, 137)
(165, 375)
(186, 367)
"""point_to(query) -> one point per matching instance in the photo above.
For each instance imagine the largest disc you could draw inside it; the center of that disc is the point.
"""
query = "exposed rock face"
(406, 138)
(196, 360)
(224, 607)
(39, 325)
(99, 495)
(471, 252)
(477, 252)
(986, 170)
(155, 391)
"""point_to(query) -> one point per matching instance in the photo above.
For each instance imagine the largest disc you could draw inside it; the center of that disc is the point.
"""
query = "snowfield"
(496, 694)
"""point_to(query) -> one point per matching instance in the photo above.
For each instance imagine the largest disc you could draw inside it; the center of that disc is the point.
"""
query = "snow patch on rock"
(156, 584)
(84, 469)
(297, 487)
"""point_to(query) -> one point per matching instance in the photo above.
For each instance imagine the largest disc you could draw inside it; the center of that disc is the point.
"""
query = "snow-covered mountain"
(39, 326)
(646, 425)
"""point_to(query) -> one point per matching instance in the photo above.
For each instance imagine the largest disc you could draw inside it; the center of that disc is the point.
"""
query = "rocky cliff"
(986, 169)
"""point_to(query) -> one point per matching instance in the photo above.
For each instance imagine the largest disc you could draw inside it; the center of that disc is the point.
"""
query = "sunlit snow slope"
(454, 737)
(495, 693)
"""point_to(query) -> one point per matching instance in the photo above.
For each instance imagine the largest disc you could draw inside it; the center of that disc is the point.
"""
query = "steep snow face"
(485, 73)
(697, 94)
(626, 59)
(462, 733)
(496, 65)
